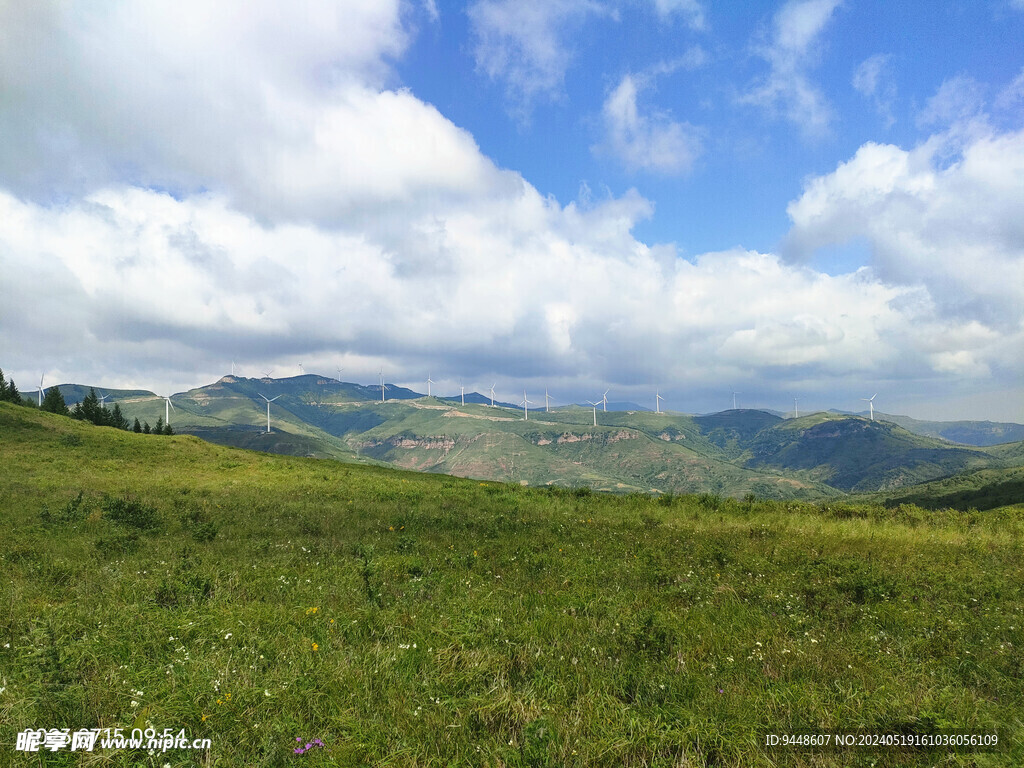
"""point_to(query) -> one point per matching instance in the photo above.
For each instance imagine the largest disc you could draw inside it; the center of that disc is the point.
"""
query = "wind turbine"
(604, 401)
(232, 367)
(492, 393)
(796, 410)
(383, 386)
(657, 400)
(41, 391)
(595, 409)
(463, 388)
(871, 404)
(546, 408)
(526, 407)
(301, 370)
(429, 382)
(266, 374)
(339, 375)
(168, 407)
(102, 401)
(734, 393)
(269, 401)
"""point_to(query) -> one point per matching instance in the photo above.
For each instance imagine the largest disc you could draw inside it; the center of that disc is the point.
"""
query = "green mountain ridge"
(732, 453)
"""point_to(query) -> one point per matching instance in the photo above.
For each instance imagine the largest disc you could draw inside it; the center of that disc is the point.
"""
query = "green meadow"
(411, 619)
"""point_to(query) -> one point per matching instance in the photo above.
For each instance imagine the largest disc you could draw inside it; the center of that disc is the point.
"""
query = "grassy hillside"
(983, 489)
(858, 455)
(411, 619)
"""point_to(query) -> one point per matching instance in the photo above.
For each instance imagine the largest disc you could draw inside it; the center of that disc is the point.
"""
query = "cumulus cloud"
(950, 227)
(524, 44)
(789, 49)
(290, 124)
(175, 198)
(646, 141)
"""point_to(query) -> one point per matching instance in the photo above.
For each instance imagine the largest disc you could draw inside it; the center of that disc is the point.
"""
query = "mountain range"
(735, 452)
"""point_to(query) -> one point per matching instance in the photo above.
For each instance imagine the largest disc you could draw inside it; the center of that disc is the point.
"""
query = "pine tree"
(53, 402)
(91, 407)
(76, 412)
(167, 429)
(117, 419)
(137, 427)
(159, 428)
(145, 428)
(8, 392)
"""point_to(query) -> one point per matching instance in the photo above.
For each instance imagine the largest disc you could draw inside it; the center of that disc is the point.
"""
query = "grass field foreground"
(420, 620)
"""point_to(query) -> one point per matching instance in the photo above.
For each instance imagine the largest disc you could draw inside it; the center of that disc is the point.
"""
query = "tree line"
(90, 409)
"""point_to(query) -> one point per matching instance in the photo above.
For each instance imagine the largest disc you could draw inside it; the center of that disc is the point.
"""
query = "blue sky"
(814, 198)
(753, 160)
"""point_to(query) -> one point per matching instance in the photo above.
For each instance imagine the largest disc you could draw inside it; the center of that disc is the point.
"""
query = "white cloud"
(790, 50)
(524, 43)
(316, 213)
(514, 286)
(692, 10)
(1013, 94)
(648, 142)
(958, 100)
(950, 227)
(872, 81)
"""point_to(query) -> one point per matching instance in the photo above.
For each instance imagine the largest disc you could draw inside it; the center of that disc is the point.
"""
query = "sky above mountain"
(814, 199)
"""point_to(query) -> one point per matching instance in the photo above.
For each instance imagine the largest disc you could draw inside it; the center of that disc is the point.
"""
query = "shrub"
(69, 513)
(131, 512)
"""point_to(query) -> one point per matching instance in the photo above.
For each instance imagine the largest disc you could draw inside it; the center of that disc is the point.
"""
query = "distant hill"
(75, 393)
(732, 430)
(732, 453)
(856, 454)
(980, 433)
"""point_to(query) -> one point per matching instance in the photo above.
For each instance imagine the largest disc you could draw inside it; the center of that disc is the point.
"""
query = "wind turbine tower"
(657, 401)
(41, 391)
(547, 409)
(796, 409)
(168, 407)
(429, 382)
(734, 393)
(383, 386)
(595, 409)
(463, 388)
(492, 393)
(871, 404)
(604, 401)
(269, 401)
(526, 407)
